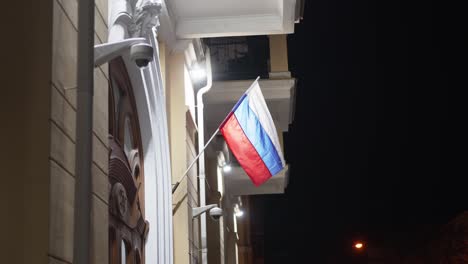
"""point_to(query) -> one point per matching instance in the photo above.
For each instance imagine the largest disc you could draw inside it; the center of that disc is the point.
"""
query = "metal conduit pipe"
(84, 127)
(201, 161)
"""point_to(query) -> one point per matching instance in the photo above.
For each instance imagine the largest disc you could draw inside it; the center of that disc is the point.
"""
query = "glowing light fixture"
(227, 168)
(239, 213)
(358, 245)
(197, 72)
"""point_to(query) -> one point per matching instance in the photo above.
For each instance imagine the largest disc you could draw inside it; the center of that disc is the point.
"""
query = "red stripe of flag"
(244, 151)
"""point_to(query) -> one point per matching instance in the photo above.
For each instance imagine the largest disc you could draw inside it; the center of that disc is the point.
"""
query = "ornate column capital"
(137, 17)
(145, 17)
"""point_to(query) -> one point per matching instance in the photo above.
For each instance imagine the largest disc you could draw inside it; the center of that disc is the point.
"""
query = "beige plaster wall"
(192, 191)
(278, 54)
(175, 96)
(182, 135)
(215, 240)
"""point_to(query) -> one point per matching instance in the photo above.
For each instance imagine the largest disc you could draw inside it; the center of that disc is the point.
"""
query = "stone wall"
(63, 136)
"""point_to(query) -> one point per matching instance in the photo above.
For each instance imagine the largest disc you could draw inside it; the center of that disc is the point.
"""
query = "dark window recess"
(239, 58)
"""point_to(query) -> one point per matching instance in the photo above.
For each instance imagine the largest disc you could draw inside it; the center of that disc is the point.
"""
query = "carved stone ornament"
(146, 16)
(138, 16)
(134, 160)
(119, 196)
(127, 222)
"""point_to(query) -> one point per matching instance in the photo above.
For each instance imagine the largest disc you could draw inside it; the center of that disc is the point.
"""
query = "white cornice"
(279, 95)
(239, 183)
(289, 16)
(230, 91)
(167, 29)
(206, 27)
(176, 28)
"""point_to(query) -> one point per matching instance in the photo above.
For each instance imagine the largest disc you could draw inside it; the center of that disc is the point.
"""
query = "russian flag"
(251, 135)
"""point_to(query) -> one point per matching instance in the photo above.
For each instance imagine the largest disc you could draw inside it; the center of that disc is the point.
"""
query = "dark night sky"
(372, 149)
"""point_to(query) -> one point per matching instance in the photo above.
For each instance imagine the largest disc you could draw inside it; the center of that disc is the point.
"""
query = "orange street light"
(358, 245)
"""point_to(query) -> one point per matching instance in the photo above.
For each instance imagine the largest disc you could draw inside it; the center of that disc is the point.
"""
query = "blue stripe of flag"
(258, 137)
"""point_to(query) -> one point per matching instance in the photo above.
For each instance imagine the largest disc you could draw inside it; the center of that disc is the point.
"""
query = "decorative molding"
(280, 75)
(119, 201)
(167, 31)
(141, 18)
(176, 30)
(279, 95)
(238, 183)
(126, 205)
(230, 91)
(205, 27)
(145, 17)
(134, 162)
(119, 171)
(289, 16)
(138, 17)
(150, 104)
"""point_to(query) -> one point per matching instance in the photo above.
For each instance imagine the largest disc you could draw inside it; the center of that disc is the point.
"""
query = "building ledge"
(278, 93)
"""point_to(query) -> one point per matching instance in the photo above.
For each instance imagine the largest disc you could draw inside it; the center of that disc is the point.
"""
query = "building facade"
(145, 129)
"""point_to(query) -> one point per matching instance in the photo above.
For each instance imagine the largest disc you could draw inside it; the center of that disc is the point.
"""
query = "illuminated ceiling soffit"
(186, 19)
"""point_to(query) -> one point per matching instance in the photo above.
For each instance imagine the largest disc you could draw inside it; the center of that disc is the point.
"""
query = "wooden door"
(127, 225)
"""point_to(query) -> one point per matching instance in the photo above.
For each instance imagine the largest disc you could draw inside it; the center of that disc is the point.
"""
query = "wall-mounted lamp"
(237, 211)
(227, 168)
(225, 165)
(197, 72)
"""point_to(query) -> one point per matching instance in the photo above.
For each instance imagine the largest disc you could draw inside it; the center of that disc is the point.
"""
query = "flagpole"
(194, 160)
(235, 106)
(174, 188)
(252, 85)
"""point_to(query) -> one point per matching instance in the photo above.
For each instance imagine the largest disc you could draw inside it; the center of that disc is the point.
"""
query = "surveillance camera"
(214, 210)
(106, 52)
(216, 213)
(142, 54)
